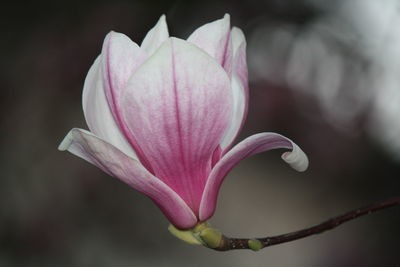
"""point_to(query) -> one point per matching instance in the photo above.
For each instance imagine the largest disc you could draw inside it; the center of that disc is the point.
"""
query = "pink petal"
(213, 38)
(120, 59)
(114, 162)
(252, 145)
(97, 111)
(237, 66)
(155, 37)
(177, 107)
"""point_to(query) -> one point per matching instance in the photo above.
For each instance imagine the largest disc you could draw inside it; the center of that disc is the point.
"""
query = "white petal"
(213, 38)
(236, 65)
(239, 111)
(155, 37)
(97, 111)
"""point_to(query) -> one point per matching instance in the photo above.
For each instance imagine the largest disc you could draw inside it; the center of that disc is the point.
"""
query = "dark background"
(324, 73)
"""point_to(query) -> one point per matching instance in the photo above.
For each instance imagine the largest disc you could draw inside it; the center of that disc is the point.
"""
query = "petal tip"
(111, 34)
(226, 21)
(156, 36)
(238, 33)
(297, 159)
(163, 18)
(66, 142)
(161, 22)
(113, 38)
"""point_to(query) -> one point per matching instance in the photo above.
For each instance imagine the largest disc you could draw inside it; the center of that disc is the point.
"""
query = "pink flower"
(163, 117)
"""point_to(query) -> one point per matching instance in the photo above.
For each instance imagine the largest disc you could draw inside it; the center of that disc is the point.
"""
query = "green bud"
(211, 237)
(255, 244)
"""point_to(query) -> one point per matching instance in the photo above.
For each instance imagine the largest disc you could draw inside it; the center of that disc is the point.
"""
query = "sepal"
(201, 234)
(184, 235)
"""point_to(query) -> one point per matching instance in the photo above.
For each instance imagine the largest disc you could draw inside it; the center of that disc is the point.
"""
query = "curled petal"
(213, 38)
(97, 111)
(177, 107)
(297, 159)
(252, 145)
(155, 37)
(114, 162)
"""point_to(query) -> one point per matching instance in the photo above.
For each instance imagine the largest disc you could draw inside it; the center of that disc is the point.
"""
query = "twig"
(228, 243)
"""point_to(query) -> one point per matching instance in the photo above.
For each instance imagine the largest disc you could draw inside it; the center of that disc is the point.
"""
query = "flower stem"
(255, 244)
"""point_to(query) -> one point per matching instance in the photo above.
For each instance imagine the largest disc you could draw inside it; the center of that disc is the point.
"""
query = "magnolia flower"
(163, 117)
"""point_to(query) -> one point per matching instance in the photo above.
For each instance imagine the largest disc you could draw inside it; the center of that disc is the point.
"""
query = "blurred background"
(324, 73)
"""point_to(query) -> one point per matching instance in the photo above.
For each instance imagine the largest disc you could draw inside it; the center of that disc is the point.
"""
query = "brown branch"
(228, 243)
